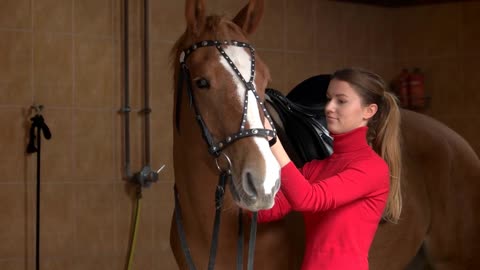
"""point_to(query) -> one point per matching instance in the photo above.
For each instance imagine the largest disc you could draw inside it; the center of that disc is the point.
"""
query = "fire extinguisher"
(416, 89)
(401, 85)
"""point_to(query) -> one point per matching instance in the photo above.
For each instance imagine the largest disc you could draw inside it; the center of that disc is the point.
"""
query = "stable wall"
(66, 55)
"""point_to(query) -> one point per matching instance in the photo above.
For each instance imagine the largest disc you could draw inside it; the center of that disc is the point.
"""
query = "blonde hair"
(383, 129)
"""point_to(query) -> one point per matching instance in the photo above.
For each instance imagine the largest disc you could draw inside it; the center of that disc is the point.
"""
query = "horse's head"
(225, 83)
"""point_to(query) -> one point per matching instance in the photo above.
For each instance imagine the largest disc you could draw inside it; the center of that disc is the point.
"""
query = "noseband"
(214, 148)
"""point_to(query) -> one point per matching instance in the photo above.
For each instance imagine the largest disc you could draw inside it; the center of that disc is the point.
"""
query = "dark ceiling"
(402, 3)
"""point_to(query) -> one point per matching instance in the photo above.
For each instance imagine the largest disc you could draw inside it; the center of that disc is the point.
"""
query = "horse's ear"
(195, 15)
(250, 16)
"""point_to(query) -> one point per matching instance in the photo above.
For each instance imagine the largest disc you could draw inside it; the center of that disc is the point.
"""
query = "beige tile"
(13, 144)
(470, 84)
(117, 18)
(328, 28)
(328, 63)
(165, 261)
(16, 14)
(57, 263)
(13, 228)
(93, 145)
(384, 68)
(57, 158)
(97, 262)
(14, 264)
(356, 22)
(270, 32)
(443, 84)
(409, 28)
(167, 20)
(298, 67)
(442, 24)
(381, 33)
(93, 17)
(53, 69)
(275, 63)
(94, 73)
(117, 74)
(94, 220)
(469, 28)
(15, 68)
(53, 15)
(135, 70)
(358, 61)
(298, 25)
(58, 220)
(143, 261)
(162, 144)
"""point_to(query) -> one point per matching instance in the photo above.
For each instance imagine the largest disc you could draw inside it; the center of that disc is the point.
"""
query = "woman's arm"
(358, 180)
(280, 209)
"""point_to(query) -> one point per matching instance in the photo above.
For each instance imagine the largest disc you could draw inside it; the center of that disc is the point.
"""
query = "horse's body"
(441, 187)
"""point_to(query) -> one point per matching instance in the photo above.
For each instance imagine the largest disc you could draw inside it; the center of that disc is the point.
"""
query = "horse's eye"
(202, 83)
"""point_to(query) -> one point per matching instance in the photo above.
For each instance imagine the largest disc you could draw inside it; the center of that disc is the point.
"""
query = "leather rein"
(215, 148)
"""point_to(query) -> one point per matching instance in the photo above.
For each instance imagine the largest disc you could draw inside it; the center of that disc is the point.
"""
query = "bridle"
(215, 148)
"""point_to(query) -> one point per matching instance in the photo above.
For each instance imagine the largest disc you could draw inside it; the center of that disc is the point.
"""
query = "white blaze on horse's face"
(242, 60)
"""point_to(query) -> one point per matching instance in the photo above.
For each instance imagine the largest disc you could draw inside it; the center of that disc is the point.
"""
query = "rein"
(215, 149)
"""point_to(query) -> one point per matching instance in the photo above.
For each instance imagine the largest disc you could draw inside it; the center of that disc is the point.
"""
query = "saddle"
(303, 126)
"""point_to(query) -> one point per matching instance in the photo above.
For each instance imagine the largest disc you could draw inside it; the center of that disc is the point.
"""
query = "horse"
(438, 228)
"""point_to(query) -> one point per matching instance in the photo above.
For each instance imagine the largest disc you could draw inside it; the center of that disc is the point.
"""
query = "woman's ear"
(370, 111)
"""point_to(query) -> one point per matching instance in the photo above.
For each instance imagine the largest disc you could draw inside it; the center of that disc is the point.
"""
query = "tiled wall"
(66, 55)
(443, 40)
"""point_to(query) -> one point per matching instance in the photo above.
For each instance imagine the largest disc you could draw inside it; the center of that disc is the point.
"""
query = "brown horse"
(441, 171)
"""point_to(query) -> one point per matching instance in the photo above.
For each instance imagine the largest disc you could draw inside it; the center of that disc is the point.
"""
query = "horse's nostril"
(250, 186)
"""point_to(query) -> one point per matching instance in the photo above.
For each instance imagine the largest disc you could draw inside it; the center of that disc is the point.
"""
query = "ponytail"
(386, 143)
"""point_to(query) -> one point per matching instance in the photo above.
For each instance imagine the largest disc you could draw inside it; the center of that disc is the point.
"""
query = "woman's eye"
(202, 83)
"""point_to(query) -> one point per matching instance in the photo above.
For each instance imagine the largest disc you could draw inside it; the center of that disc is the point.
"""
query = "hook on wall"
(37, 108)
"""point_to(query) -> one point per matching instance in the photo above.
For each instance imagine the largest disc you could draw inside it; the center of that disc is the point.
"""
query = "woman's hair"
(383, 128)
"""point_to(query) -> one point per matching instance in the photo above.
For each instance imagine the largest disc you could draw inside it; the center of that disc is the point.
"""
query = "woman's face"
(344, 109)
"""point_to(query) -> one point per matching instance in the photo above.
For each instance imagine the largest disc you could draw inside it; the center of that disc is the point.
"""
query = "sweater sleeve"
(358, 180)
(280, 209)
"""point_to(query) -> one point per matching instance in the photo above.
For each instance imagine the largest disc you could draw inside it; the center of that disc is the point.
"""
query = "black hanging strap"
(38, 124)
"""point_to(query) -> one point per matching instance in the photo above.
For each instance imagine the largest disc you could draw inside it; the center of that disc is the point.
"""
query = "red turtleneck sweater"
(342, 199)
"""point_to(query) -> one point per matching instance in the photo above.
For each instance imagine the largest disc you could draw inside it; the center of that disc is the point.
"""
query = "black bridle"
(215, 148)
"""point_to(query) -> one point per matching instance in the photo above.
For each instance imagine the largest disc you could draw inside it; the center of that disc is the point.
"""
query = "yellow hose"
(134, 232)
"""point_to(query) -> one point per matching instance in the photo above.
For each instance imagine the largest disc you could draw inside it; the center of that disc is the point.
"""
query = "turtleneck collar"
(351, 141)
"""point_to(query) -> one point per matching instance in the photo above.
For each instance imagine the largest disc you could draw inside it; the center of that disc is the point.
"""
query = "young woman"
(344, 196)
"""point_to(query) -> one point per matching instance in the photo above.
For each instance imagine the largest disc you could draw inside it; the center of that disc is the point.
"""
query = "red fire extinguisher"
(400, 86)
(416, 89)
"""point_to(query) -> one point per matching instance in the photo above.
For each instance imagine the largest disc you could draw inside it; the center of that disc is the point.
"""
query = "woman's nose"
(328, 106)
